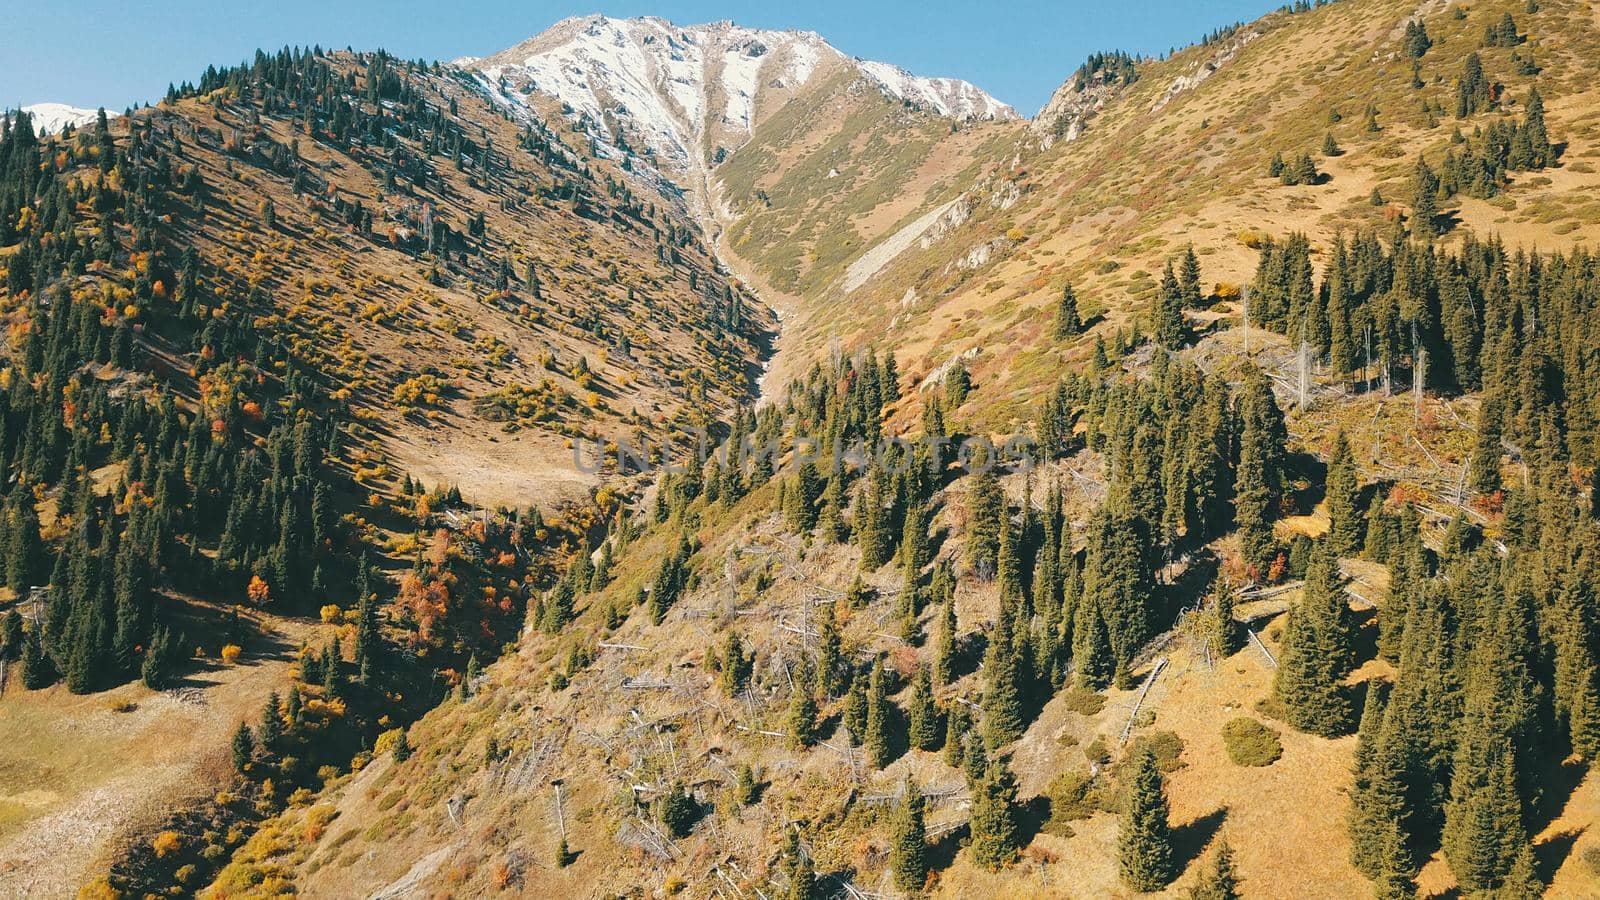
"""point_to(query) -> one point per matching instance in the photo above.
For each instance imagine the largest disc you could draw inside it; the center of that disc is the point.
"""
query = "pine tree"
(1169, 325)
(1317, 653)
(676, 810)
(855, 710)
(1222, 882)
(1144, 844)
(1091, 646)
(1425, 202)
(944, 657)
(985, 508)
(955, 733)
(830, 671)
(37, 672)
(1258, 479)
(1395, 880)
(1069, 323)
(877, 739)
(271, 727)
(800, 498)
(926, 727)
(802, 718)
(244, 746)
(24, 549)
(908, 849)
(1346, 527)
(1002, 701)
(1189, 278)
(995, 832)
(798, 869)
(735, 665)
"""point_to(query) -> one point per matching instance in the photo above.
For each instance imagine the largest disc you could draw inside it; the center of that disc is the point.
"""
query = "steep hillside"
(1267, 588)
(1180, 157)
(1194, 491)
(253, 333)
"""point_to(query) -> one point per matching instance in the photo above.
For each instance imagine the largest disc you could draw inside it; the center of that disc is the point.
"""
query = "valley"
(1292, 593)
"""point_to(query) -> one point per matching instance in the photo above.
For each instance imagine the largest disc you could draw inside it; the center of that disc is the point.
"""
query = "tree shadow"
(1559, 780)
(1032, 815)
(1191, 839)
(942, 851)
(969, 652)
(1551, 853)
(1366, 638)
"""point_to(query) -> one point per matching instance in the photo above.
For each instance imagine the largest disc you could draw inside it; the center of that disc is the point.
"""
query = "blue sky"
(117, 52)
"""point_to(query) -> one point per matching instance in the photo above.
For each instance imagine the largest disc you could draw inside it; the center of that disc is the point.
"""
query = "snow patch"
(49, 118)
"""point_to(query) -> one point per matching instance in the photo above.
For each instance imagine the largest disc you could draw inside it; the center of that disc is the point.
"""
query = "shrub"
(1165, 746)
(1084, 703)
(230, 653)
(1251, 743)
(1069, 798)
(165, 843)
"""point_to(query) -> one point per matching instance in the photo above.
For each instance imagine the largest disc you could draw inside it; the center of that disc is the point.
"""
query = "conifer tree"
(1346, 528)
(955, 734)
(271, 727)
(1069, 323)
(1118, 583)
(1169, 326)
(802, 718)
(36, 669)
(985, 509)
(995, 832)
(244, 746)
(877, 739)
(1189, 278)
(1261, 451)
(798, 869)
(944, 656)
(855, 710)
(1394, 880)
(908, 849)
(926, 727)
(1222, 881)
(1577, 668)
(1002, 701)
(734, 665)
(1144, 844)
(830, 670)
(1091, 646)
(800, 498)
(1425, 202)
(1317, 653)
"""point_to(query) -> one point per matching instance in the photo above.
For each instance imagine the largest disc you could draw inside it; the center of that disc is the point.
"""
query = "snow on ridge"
(683, 88)
(49, 118)
(950, 97)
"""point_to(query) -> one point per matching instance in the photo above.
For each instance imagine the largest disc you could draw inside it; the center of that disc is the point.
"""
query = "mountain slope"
(610, 756)
(463, 297)
(1180, 157)
(694, 93)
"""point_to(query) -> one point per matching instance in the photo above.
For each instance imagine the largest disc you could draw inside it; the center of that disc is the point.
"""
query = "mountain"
(1216, 455)
(49, 118)
(694, 93)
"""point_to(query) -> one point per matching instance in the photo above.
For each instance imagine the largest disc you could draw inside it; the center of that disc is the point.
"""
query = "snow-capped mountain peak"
(690, 90)
(49, 118)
